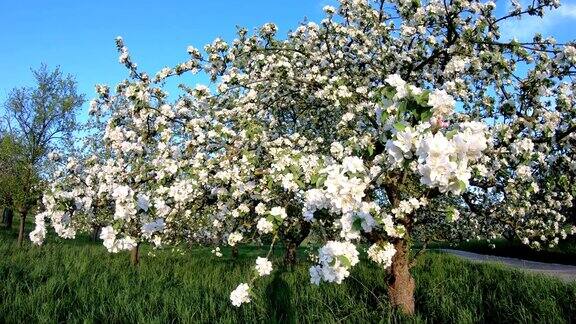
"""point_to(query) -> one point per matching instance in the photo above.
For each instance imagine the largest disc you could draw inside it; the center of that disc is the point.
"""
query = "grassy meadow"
(79, 282)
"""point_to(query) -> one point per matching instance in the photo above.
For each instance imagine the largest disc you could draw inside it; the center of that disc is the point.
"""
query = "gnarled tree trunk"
(401, 285)
(235, 251)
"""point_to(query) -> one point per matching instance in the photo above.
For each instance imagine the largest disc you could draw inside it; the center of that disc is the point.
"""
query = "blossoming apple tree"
(386, 121)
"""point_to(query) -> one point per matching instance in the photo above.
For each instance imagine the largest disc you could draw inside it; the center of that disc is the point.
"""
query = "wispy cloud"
(568, 10)
(524, 29)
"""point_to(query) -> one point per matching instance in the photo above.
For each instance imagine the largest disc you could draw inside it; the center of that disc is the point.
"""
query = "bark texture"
(23, 214)
(290, 256)
(401, 286)
(294, 237)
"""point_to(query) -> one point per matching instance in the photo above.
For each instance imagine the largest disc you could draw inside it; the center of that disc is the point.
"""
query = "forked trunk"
(290, 254)
(23, 214)
(135, 255)
(401, 286)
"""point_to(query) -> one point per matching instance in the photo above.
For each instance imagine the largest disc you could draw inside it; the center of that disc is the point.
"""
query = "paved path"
(562, 271)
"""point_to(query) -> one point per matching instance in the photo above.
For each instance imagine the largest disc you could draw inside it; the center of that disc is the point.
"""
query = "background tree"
(11, 167)
(41, 117)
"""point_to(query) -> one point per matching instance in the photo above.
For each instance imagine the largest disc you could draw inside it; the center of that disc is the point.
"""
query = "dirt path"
(562, 271)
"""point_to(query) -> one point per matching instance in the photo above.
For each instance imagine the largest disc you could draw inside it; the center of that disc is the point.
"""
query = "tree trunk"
(401, 285)
(8, 217)
(293, 239)
(290, 254)
(235, 251)
(135, 255)
(21, 228)
(95, 232)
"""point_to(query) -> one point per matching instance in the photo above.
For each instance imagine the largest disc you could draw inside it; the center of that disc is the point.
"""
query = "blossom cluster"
(334, 262)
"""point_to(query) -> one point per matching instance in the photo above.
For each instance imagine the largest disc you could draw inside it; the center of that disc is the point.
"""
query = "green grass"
(78, 281)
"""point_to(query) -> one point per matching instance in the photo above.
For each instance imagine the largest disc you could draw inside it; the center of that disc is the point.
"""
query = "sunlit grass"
(78, 281)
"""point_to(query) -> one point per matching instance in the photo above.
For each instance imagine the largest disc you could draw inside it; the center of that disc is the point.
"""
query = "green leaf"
(399, 126)
(451, 133)
(271, 219)
(450, 214)
(402, 107)
(117, 226)
(384, 116)
(295, 170)
(462, 185)
(389, 92)
(422, 99)
(357, 224)
(400, 230)
(321, 180)
(426, 115)
(299, 183)
(344, 261)
(370, 150)
(314, 177)
(270, 183)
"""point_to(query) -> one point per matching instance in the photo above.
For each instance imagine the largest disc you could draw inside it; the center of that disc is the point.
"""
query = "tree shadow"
(279, 299)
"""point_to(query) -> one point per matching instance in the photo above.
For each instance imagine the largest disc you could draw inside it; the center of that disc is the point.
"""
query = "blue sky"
(79, 35)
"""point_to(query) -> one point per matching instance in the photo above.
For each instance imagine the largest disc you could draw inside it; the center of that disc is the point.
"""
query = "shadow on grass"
(279, 299)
